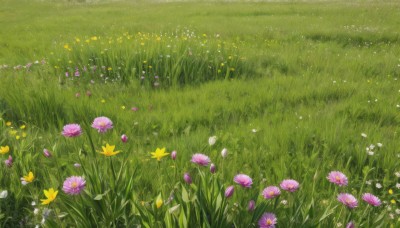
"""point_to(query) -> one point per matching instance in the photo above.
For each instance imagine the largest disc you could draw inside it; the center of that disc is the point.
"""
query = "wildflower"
(173, 155)
(103, 101)
(251, 205)
(212, 140)
(212, 168)
(72, 130)
(77, 165)
(22, 127)
(74, 185)
(27, 179)
(123, 107)
(224, 153)
(348, 200)
(124, 138)
(3, 194)
(159, 201)
(200, 159)
(393, 201)
(50, 195)
(8, 123)
(9, 161)
(397, 174)
(46, 153)
(271, 192)
(102, 124)
(379, 144)
(36, 211)
(77, 95)
(284, 202)
(350, 225)
(159, 153)
(290, 185)
(109, 150)
(134, 109)
(229, 191)
(363, 135)
(398, 185)
(243, 180)
(371, 199)
(88, 93)
(390, 191)
(187, 178)
(338, 178)
(267, 220)
(378, 185)
(4, 149)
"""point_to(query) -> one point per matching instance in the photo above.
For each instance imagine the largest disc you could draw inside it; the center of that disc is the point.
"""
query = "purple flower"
(350, 225)
(251, 206)
(134, 109)
(271, 192)
(77, 165)
(102, 124)
(72, 130)
(66, 74)
(200, 159)
(229, 191)
(124, 138)
(243, 180)
(77, 74)
(9, 161)
(74, 185)
(46, 153)
(290, 185)
(187, 178)
(338, 178)
(173, 155)
(212, 168)
(267, 220)
(371, 199)
(348, 200)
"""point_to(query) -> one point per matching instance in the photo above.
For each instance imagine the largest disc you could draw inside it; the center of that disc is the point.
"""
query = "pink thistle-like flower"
(200, 159)
(348, 200)
(267, 220)
(46, 153)
(350, 225)
(338, 178)
(173, 155)
(271, 192)
(187, 178)
(102, 124)
(72, 130)
(229, 191)
(124, 138)
(74, 185)
(252, 205)
(290, 185)
(371, 199)
(244, 180)
(9, 161)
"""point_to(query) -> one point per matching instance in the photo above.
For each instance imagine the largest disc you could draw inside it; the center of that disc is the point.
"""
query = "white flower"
(397, 174)
(377, 185)
(36, 211)
(224, 152)
(370, 153)
(398, 185)
(368, 182)
(212, 140)
(37, 226)
(254, 130)
(284, 202)
(398, 211)
(339, 224)
(379, 144)
(33, 203)
(3, 194)
(364, 135)
(372, 146)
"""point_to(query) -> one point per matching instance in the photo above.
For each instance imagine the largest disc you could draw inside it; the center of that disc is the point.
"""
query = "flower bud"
(229, 191)
(212, 168)
(173, 155)
(124, 138)
(46, 153)
(187, 178)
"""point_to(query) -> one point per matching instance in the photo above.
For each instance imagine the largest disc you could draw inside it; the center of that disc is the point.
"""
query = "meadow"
(199, 114)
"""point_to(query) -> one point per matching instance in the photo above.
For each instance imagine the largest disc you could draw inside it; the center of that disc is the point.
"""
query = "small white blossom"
(398, 185)
(33, 203)
(224, 153)
(3, 194)
(372, 146)
(254, 130)
(284, 202)
(368, 182)
(339, 224)
(212, 140)
(397, 211)
(379, 144)
(36, 211)
(370, 153)
(363, 135)
(397, 174)
(377, 185)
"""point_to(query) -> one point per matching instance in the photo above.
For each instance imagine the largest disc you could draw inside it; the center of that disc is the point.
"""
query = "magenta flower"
(9, 161)
(348, 200)
(200, 159)
(252, 205)
(173, 155)
(102, 124)
(74, 185)
(72, 130)
(134, 109)
(244, 180)
(124, 138)
(271, 192)
(338, 178)
(371, 199)
(229, 191)
(267, 220)
(350, 225)
(212, 168)
(46, 153)
(290, 185)
(187, 178)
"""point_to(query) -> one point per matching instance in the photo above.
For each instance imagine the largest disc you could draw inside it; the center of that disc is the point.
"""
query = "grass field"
(292, 90)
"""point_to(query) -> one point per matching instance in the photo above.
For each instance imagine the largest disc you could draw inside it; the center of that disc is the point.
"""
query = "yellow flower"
(4, 149)
(13, 132)
(22, 127)
(123, 107)
(93, 38)
(159, 153)
(109, 150)
(66, 46)
(8, 123)
(109, 68)
(77, 40)
(50, 194)
(390, 191)
(27, 179)
(393, 201)
(103, 101)
(159, 202)
(23, 134)
(17, 137)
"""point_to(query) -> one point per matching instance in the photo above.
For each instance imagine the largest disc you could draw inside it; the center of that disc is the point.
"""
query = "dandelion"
(102, 124)
(229, 191)
(27, 179)
(390, 191)
(124, 138)
(200, 159)
(74, 185)
(72, 130)
(50, 195)
(289, 185)
(159, 153)
(224, 153)
(271, 192)
(109, 150)
(22, 127)
(9, 161)
(348, 200)
(187, 178)
(371, 199)
(173, 155)
(267, 220)
(212, 140)
(4, 149)
(337, 178)
(393, 201)
(46, 153)
(251, 206)
(244, 180)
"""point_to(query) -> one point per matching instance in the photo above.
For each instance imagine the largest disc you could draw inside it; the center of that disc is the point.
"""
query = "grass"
(306, 84)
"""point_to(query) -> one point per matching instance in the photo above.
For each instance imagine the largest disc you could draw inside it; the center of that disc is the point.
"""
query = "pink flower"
(267, 220)
(173, 155)
(251, 206)
(371, 199)
(102, 124)
(350, 225)
(9, 161)
(212, 168)
(200, 159)
(124, 138)
(338, 178)
(134, 109)
(271, 192)
(348, 200)
(229, 191)
(46, 153)
(243, 180)
(72, 130)
(187, 178)
(74, 185)
(290, 185)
